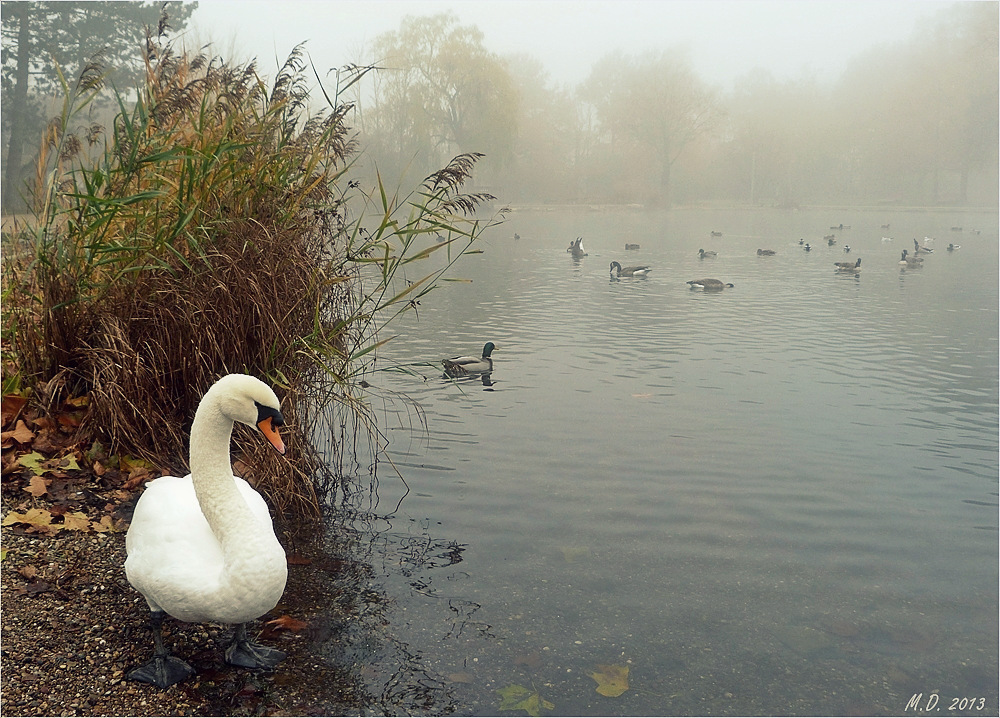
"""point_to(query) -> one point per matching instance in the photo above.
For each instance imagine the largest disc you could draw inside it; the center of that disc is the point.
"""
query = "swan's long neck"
(212, 475)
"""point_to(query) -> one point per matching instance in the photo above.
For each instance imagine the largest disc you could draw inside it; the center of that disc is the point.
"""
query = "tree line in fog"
(915, 123)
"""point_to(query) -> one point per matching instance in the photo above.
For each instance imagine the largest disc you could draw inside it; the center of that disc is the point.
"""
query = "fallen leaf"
(129, 464)
(612, 681)
(70, 463)
(76, 521)
(105, 525)
(532, 660)
(21, 434)
(32, 461)
(518, 698)
(37, 486)
(288, 623)
(38, 518)
(11, 406)
(572, 553)
(29, 572)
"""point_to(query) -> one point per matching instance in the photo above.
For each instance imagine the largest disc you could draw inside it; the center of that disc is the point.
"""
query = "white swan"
(202, 547)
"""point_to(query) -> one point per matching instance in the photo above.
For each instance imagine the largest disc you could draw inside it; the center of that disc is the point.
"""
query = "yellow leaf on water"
(612, 681)
(518, 698)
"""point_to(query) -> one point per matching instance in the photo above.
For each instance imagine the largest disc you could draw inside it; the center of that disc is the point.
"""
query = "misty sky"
(724, 38)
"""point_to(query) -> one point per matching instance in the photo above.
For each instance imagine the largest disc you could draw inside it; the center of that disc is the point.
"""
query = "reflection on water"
(779, 498)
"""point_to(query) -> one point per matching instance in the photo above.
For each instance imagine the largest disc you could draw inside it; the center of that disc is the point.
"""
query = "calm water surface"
(778, 499)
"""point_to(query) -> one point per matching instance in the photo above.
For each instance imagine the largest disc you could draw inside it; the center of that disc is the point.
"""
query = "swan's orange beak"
(268, 429)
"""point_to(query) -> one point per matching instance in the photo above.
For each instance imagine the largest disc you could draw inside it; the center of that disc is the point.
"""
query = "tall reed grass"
(217, 231)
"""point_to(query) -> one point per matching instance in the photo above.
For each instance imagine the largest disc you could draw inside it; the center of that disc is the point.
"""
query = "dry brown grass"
(211, 237)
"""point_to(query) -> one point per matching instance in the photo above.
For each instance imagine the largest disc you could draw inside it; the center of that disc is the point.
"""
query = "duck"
(801, 241)
(516, 235)
(629, 246)
(638, 270)
(885, 226)
(202, 548)
(469, 365)
(917, 249)
(910, 261)
(848, 266)
(953, 247)
(576, 248)
(709, 284)
(807, 247)
(886, 239)
(766, 253)
(716, 234)
(847, 249)
(702, 254)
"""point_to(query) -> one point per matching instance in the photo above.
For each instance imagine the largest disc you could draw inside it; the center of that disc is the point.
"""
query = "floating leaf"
(288, 623)
(518, 698)
(572, 553)
(612, 681)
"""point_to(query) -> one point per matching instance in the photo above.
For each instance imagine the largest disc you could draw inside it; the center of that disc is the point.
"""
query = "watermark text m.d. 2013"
(919, 704)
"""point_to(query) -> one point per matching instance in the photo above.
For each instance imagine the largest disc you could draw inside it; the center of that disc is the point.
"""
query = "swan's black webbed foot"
(162, 671)
(248, 654)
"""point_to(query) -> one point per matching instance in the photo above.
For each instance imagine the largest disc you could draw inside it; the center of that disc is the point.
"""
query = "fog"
(656, 103)
(725, 38)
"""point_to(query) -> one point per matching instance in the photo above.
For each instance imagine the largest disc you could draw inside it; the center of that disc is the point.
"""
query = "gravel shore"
(73, 627)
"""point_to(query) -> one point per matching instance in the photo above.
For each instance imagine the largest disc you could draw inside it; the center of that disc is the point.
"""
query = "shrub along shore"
(213, 228)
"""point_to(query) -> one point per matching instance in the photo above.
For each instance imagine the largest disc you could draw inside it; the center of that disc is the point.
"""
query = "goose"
(639, 270)
(576, 248)
(848, 266)
(910, 261)
(468, 365)
(702, 254)
(202, 547)
(708, 284)
(766, 253)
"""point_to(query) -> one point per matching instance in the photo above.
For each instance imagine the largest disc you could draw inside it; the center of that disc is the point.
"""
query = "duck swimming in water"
(469, 365)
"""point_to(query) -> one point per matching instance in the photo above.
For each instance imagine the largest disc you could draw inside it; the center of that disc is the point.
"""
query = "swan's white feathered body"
(202, 547)
(179, 565)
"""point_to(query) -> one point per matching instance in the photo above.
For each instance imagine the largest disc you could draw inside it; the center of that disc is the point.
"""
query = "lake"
(777, 499)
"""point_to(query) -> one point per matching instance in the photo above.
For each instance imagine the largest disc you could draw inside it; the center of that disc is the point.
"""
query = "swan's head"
(250, 401)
